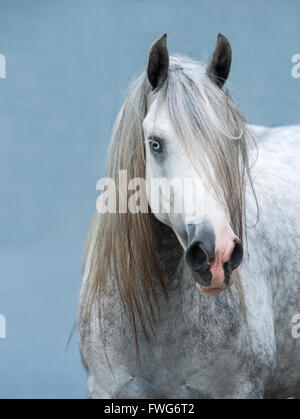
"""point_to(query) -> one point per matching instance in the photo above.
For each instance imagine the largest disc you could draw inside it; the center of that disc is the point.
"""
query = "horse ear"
(219, 67)
(158, 62)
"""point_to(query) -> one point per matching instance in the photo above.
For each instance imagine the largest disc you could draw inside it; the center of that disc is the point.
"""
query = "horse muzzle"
(212, 257)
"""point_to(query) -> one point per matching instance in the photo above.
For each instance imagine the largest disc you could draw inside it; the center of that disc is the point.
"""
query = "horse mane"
(122, 247)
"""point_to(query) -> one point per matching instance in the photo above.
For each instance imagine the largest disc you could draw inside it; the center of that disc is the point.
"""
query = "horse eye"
(156, 146)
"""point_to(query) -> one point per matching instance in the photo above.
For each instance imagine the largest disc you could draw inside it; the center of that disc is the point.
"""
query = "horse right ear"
(158, 62)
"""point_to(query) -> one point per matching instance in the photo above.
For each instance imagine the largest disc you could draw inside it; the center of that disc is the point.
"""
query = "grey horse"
(198, 303)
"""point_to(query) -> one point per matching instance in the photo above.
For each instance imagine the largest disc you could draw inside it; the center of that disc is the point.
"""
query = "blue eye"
(156, 146)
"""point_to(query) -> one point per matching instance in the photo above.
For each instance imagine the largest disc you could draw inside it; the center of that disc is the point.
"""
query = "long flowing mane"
(215, 138)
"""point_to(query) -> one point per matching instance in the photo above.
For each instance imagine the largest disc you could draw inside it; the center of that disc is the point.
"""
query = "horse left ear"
(219, 67)
(158, 62)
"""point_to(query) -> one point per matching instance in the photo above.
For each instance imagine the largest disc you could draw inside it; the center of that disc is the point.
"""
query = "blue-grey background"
(68, 65)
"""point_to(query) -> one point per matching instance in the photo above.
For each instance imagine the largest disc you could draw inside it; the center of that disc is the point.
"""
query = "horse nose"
(236, 256)
(212, 258)
(225, 263)
(198, 256)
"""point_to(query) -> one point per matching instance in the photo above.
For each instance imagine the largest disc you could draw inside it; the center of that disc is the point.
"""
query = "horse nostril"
(236, 256)
(196, 257)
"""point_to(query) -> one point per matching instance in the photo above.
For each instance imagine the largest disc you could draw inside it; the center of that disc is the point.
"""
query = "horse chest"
(199, 346)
